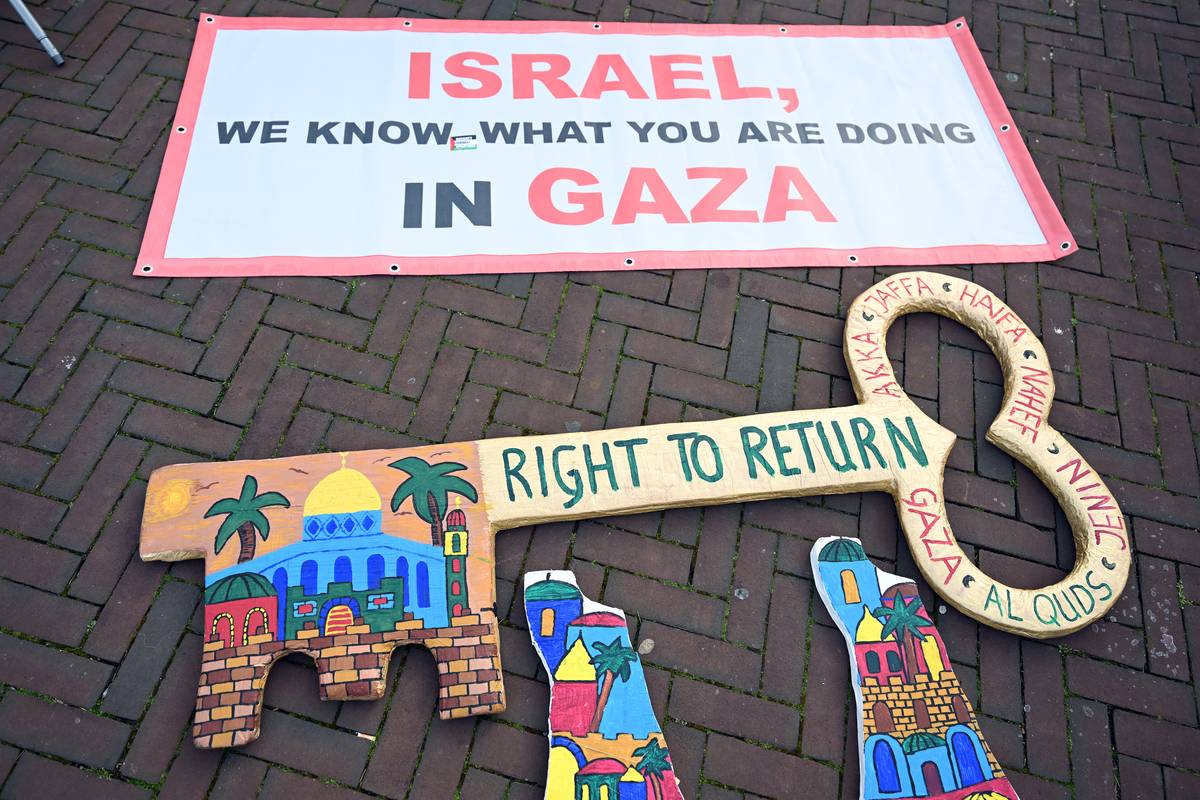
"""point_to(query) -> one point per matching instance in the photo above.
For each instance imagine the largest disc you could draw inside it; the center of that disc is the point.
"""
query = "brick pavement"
(103, 378)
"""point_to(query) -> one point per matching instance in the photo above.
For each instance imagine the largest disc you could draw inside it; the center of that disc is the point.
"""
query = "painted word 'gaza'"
(555, 197)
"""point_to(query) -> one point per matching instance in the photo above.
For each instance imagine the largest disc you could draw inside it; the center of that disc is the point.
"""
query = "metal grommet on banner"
(394, 267)
(958, 24)
(596, 26)
(629, 262)
(1065, 245)
(209, 19)
(853, 259)
(783, 30)
(408, 23)
(147, 268)
(1005, 128)
(181, 129)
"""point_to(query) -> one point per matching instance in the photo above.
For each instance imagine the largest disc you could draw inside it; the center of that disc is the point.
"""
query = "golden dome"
(342, 492)
(869, 629)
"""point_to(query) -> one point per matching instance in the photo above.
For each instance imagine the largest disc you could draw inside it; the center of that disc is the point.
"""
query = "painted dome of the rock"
(551, 590)
(343, 491)
(842, 550)
(238, 587)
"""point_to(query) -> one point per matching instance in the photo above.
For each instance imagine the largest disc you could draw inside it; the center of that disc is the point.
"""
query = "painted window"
(887, 778)
(547, 622)
(961, 715)
(380, 601)
(422, 584)
(374, 571)
(893, 661)
(255, 624)
(222, 629)
(455, 588)
(456, 565)
(402, 573)
(280, 581)
(883, 717)
(455, 542)
(308, 577)
(968, 761)
(343, 572)
(872, 662)
(921, 713)
(850, 587)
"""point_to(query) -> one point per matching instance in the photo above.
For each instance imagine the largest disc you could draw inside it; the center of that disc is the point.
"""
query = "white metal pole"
(36, 30)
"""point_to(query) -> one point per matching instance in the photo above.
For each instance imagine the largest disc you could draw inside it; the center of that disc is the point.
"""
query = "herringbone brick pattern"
(103, 378)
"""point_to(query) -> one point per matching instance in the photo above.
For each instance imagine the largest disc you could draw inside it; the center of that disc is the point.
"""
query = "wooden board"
(397, 546)
(603, 733)
(917, 732)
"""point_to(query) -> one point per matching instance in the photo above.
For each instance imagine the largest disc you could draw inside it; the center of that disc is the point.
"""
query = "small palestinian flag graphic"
(467, 142)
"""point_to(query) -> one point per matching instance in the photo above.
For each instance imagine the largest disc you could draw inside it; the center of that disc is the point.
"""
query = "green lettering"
(631, 457)
(576, 492)
(603, 466)
(1037, 610)
(912, 444)
(802, 429)
(993, 597)
(541, 462)
(514, 471)
(753, 452)
(1098, 586)
(718, 465)
(864, 436)
(848, 466)
(681, 440)
(781, 451)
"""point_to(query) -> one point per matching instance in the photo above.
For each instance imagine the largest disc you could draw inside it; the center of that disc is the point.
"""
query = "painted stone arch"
(221, 623)
(967, 756)
(888, 773)
(258, 615)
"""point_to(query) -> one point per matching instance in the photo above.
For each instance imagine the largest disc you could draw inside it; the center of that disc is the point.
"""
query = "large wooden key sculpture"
(345, 556)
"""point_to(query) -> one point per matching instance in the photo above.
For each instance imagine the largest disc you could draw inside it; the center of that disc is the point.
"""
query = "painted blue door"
(886, 776)
(968, 761)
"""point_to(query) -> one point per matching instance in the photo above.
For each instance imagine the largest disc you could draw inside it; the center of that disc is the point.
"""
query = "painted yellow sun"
(169, 500)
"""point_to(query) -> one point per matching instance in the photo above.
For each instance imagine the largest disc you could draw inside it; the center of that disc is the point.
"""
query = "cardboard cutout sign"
(321, 565)
(917, 732)
(603, 733)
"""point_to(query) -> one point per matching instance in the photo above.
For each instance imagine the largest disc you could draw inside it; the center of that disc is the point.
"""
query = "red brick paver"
(103, 378)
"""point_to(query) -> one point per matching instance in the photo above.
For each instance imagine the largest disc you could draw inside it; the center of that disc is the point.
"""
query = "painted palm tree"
(652, 764)
(430, 486)
(903, 619)
(244, 514)
(612, 660)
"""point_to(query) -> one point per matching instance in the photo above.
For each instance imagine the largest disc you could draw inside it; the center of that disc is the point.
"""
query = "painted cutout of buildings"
(324, 567)
(605, 742)
(918, 733)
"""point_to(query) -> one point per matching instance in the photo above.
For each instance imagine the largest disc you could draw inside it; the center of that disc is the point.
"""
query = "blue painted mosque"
(345, 567)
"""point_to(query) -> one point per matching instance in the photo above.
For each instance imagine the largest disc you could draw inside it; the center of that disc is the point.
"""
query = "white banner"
(343, 147)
